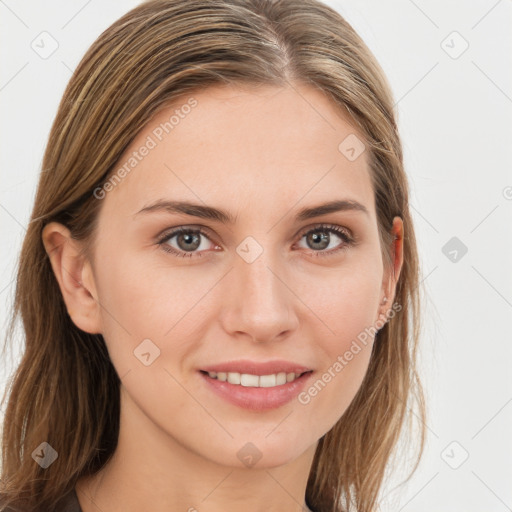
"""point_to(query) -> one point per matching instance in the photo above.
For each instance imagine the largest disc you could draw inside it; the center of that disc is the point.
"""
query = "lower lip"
(257, 399)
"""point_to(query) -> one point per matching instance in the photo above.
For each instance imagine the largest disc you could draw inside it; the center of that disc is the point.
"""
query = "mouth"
(256, 392)
(255, 381)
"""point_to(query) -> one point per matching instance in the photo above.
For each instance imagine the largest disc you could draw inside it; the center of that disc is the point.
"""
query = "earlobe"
(74, 276)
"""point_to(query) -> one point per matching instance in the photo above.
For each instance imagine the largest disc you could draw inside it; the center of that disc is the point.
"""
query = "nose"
(259, 303)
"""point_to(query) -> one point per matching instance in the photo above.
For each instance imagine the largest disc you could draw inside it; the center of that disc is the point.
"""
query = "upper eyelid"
(327, 227)
(171, 232)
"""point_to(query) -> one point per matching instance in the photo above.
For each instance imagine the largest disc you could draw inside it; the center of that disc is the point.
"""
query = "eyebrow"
(216, 214)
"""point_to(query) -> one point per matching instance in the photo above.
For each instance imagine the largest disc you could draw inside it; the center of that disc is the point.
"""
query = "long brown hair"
(66, 391)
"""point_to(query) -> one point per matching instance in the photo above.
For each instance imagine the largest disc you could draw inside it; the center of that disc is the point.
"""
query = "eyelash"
(348, 241)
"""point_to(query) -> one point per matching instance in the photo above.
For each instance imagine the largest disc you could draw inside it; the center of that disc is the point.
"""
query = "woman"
(219, 282)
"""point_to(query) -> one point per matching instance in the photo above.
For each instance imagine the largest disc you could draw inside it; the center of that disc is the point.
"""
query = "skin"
(261, 154)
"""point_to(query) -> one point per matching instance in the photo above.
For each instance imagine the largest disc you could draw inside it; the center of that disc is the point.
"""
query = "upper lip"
(257, 367)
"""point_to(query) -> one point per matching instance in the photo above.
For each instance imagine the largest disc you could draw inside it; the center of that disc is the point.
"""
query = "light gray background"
(454, 112)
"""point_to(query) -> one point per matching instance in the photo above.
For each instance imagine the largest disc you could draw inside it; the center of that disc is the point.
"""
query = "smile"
(256, 392)
(255, 381)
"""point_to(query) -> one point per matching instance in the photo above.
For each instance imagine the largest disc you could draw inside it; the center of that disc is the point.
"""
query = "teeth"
(268, 381)
(234, 378)
(281, 379)
(254, 381)
(248, 380)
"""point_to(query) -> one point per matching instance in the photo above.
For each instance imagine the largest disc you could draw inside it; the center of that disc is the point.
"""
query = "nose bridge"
(260, 283)
(261, 305)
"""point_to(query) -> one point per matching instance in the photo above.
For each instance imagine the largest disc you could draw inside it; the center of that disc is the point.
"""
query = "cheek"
(345, 300)
(148, 298)
(148, 302)
(335, 385)
(348, 307)
(344, 362)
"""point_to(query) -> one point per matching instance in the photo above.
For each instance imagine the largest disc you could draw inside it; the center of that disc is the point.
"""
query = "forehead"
(242, 147)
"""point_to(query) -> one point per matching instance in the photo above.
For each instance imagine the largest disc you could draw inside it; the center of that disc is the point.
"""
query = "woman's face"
(252, 293)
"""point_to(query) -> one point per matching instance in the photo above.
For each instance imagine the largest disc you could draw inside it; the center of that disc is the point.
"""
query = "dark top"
(70, 503)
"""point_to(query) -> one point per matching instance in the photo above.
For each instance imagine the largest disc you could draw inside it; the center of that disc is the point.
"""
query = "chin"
(261, 452)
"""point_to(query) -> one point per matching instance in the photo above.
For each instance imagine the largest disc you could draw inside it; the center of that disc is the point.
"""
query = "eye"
(320, 238)
(188, 242)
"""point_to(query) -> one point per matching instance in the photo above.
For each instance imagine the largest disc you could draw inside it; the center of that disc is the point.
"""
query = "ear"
(392, 274)
(75, 277)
